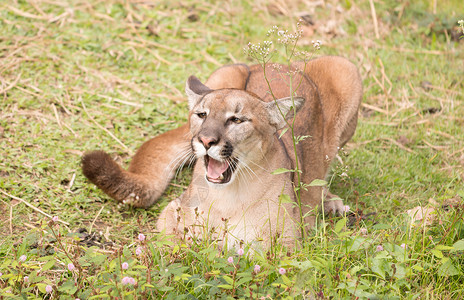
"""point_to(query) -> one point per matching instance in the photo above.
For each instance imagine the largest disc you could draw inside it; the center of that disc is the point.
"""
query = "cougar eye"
(201, 115)
(235, 120)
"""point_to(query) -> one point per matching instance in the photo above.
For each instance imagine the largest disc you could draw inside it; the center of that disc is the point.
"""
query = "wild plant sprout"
(285, 46)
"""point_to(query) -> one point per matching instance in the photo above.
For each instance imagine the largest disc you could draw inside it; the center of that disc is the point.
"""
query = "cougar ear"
(195, 90)
(283, 106)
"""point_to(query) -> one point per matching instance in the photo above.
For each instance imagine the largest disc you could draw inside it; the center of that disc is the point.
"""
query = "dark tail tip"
(96, 164)
(119, 184)
(104, 172)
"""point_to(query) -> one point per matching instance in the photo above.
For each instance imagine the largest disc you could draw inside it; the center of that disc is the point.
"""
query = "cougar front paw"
(334, 204)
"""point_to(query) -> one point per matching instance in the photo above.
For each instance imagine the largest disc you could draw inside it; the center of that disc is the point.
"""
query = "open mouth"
(218, 171)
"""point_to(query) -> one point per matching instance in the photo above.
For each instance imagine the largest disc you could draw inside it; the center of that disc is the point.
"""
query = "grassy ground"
(83, 75)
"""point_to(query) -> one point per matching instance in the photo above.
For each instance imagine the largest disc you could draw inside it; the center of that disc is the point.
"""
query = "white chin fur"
(212, 152)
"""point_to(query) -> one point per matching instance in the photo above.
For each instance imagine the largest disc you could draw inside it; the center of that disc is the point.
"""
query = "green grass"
(66, 66)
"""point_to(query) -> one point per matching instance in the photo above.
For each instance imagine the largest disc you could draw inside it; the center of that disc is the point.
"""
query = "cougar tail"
(118, 183)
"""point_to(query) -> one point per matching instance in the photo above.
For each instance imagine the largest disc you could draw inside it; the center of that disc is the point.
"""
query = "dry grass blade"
(374, 19)
(95, 219)
(400, 145)
(25, 14)
(31, 206)
(106, 130)
(374, 108)
(11, 85)
(120, 101)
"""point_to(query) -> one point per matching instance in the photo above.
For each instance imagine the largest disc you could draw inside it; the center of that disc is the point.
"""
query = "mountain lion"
(233, 136)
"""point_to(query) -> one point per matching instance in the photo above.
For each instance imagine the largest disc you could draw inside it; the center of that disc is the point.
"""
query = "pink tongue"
(216, 168)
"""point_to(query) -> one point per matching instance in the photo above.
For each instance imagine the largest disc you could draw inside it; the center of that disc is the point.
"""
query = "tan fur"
(331, 87)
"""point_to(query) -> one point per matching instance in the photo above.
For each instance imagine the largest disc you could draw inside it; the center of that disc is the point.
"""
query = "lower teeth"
(221, 177)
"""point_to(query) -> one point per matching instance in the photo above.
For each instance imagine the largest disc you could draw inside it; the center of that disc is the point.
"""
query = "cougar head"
(232, 130)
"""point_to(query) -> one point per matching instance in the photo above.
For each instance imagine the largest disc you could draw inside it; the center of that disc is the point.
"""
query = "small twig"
(55, 111)
(456, 152)
(399, 49)
(210, 58)
(374, 19)
(158, 57)
(11, 219)
(443, 89)
(400, 146)
(438, 148)
(91, 225)
(151, 43)
(444, 134)
(25, 14)
(59, 17)
(11, 85)
(386, 94)
(234, 60)
(384, 74)
(179, 186)
(120, 101)
(37, 8)
(381, 123)
(375, 108)
(71, 182)
(104, 129)
(31, 206)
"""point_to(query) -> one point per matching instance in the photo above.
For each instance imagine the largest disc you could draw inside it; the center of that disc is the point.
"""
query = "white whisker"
(183, 155)
(244, 166)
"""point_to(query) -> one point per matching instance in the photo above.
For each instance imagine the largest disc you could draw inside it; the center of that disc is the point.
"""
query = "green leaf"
(244, 280)
(340, 224)
(284, 198)
(228, 279)
(281, 171)
(98, 259)
(302, 265)
(100, 296)
(225, 286)
(319, 262)
(355, 270)
(448, 269)
(286, 280)
(437, 253)
(139, 267)
(381, 226)
(378, 266)
(48, 265)
(443, 247)
(458, 246)
(358, 243)
(418, 268)
(318, 182)
(41, 287)
(68, 287)
(283, 132)
(281, 285)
